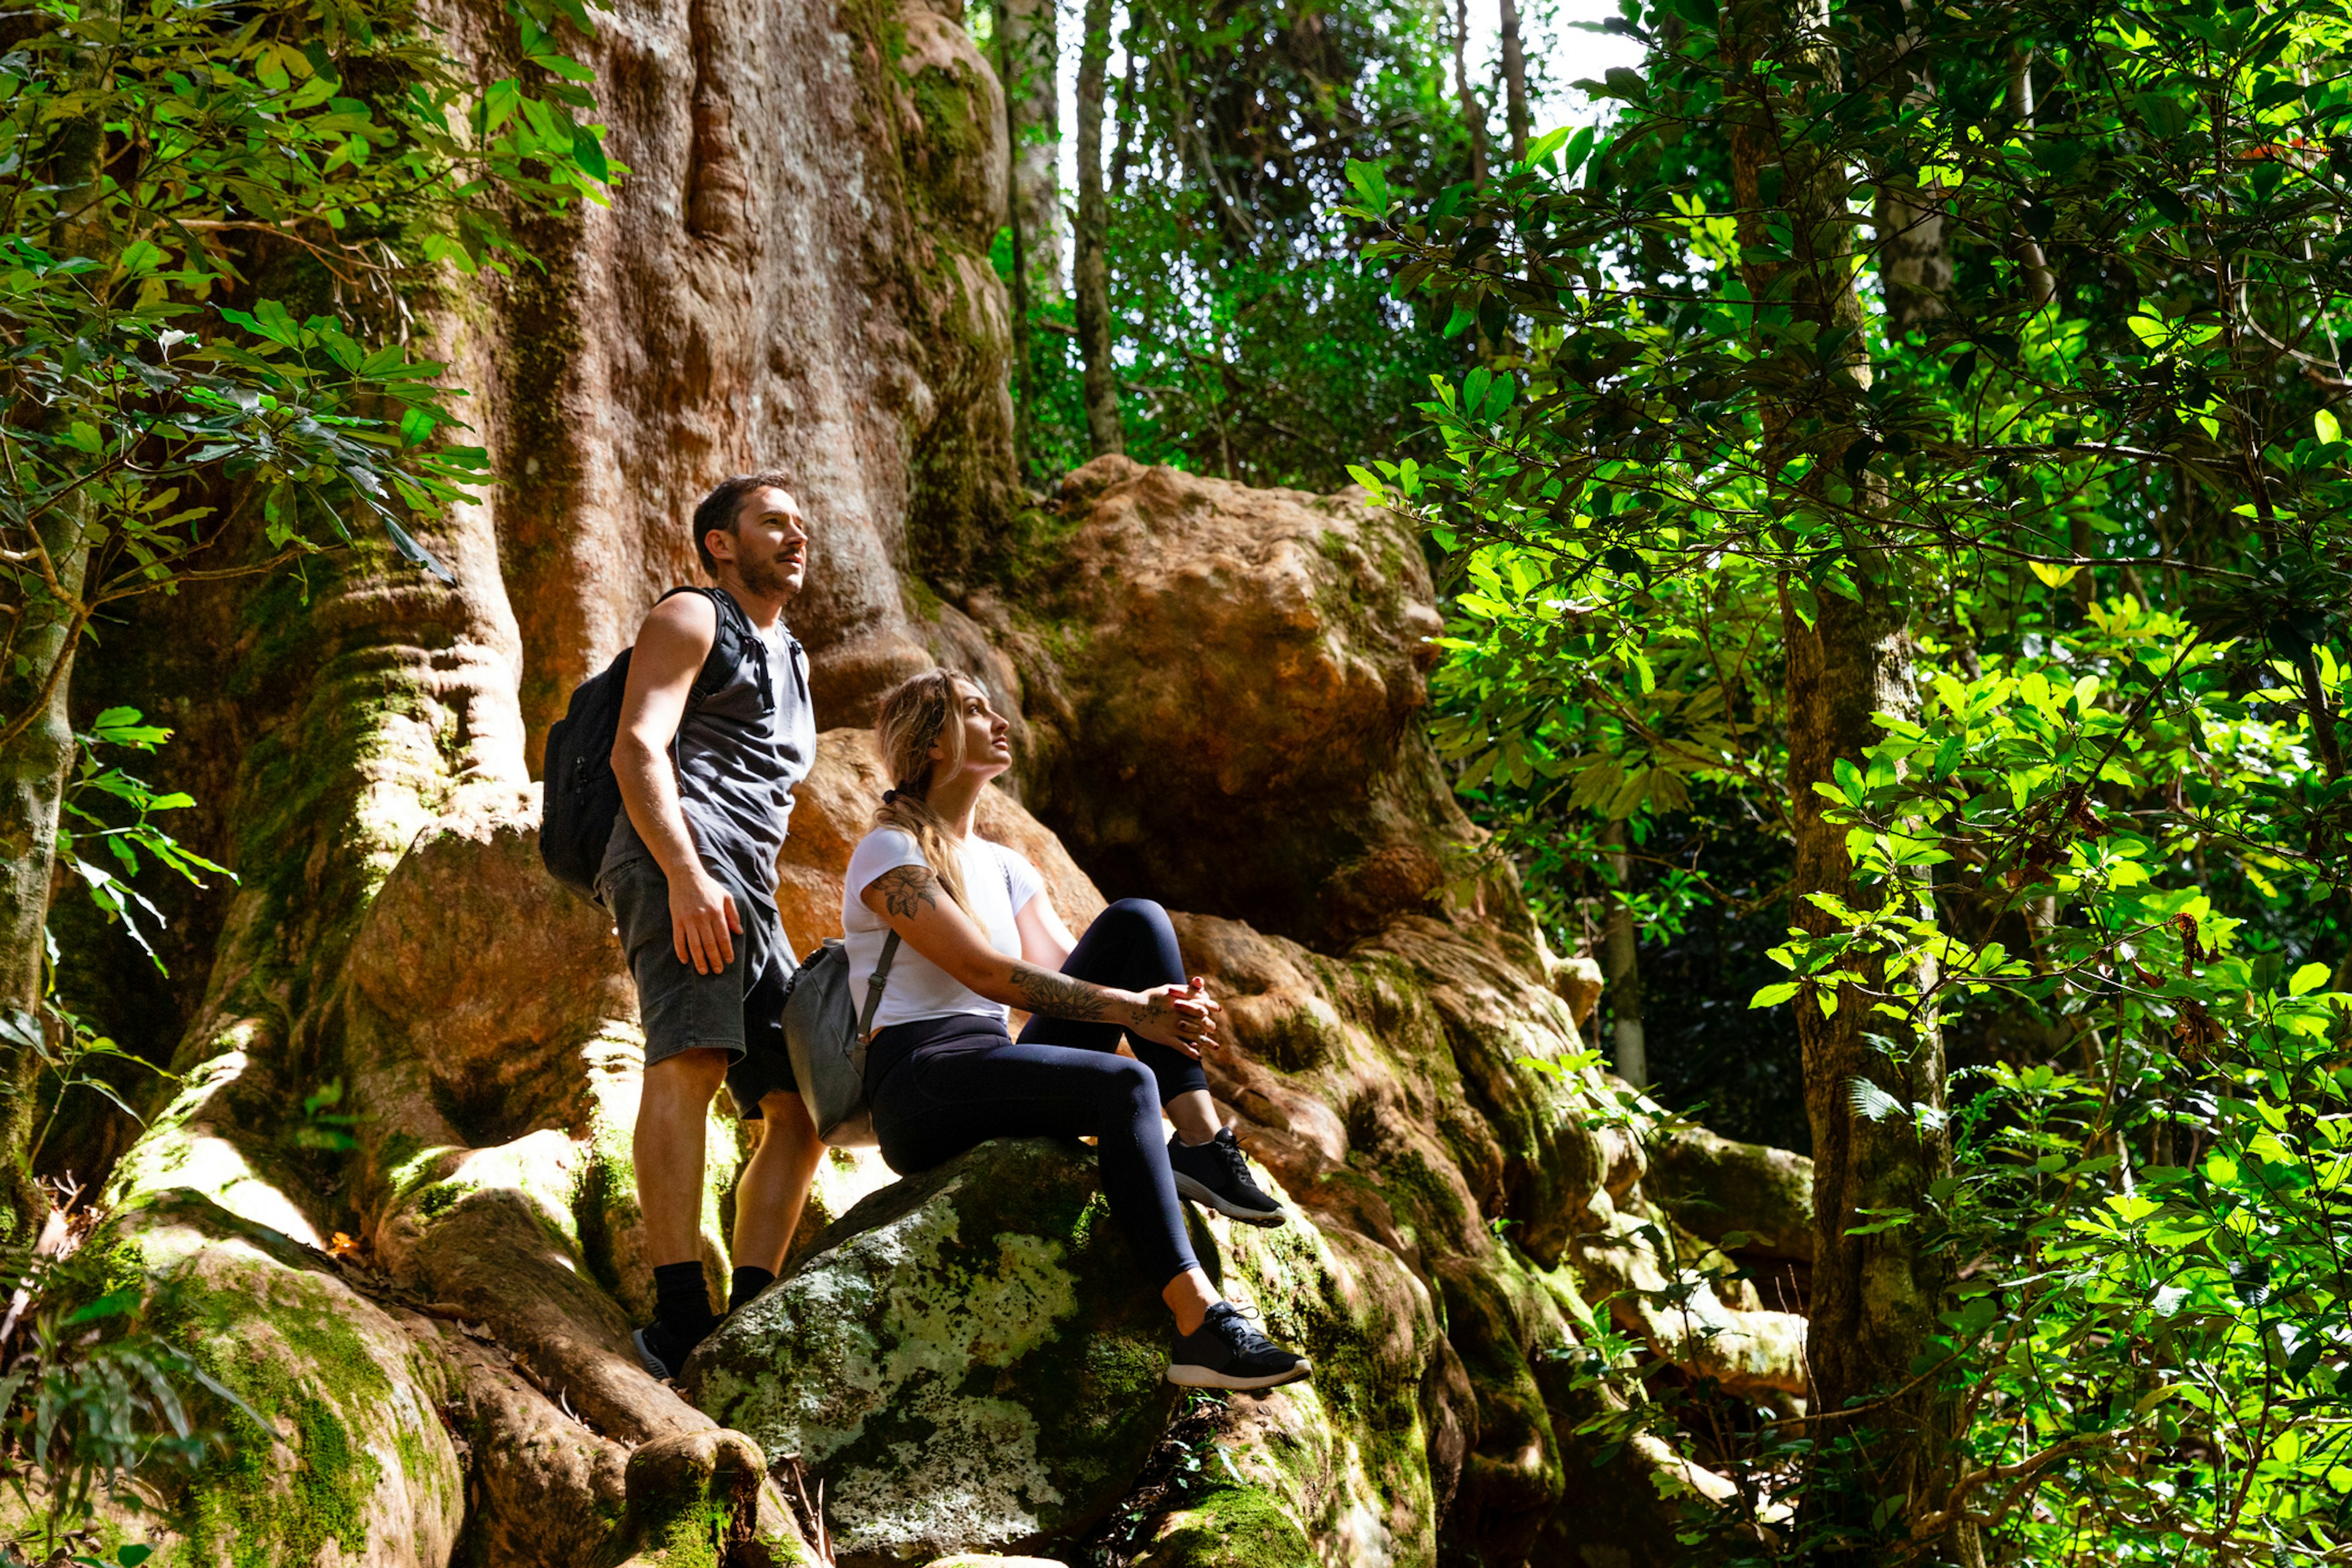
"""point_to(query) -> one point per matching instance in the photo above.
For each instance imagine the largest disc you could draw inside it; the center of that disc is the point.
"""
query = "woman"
(979, 935)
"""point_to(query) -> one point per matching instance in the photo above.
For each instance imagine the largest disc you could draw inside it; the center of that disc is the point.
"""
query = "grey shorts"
(739, 1010)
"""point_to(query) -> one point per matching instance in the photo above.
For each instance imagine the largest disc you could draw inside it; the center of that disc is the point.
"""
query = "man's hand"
(702, 922)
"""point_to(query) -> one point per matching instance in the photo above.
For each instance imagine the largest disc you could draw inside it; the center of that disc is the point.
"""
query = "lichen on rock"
(971, 1359)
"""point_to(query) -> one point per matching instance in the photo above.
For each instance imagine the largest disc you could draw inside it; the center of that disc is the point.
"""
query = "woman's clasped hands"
(1182, 1017)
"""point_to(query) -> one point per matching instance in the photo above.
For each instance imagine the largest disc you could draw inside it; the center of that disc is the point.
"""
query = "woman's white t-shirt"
(998, 883)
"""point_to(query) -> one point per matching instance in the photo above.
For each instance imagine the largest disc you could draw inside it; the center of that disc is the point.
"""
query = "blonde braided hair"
(920, 712)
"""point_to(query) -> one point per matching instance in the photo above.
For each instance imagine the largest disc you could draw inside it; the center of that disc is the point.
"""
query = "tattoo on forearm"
(1058, 996)
(909, 890)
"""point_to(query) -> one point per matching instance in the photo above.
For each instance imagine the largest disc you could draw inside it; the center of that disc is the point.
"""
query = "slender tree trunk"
(1012, 45)
(1875, 1296)
(1515, 81)
(1091, 276)
(2040, 284)
(1621, 962)
(1029, 58)
(1474, 113)
(1130, 110)
(32, 782)
(1915, 270)
(34, 687)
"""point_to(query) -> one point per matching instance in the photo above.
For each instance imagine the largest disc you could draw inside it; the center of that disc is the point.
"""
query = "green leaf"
(1370, 183)
(2308, 979)
(1873, 1103)
(417, 553)
(588, 152)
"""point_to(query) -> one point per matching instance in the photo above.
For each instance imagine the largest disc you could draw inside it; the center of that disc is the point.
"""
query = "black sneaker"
(1225, 1351)
(1215, 1175)
(662, 1350)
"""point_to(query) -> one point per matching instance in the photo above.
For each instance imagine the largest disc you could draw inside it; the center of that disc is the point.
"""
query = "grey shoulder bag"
(827, 1042)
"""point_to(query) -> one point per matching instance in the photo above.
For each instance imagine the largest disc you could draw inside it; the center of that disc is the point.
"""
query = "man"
(690, 877)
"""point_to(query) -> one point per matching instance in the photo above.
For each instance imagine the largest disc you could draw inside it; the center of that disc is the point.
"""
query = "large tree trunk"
(1914, 268)
(1874, 1296)
(1092, 274)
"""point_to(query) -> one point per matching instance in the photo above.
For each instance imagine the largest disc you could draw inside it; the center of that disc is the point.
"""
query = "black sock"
(682, 1301)
(749, 1280)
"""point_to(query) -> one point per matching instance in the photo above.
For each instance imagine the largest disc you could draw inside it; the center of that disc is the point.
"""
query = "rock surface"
(355, 1465)
(971, 1359)
(1223, 685)
(1754, 1200)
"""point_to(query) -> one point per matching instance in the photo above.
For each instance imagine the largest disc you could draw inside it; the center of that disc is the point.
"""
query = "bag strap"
(881, 977)
(719, 665)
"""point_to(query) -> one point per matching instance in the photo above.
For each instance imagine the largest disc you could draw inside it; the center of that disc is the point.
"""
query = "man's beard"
(768, 579)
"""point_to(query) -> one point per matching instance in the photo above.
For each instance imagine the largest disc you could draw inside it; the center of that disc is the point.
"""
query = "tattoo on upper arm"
(908, 890)
(1058, 996)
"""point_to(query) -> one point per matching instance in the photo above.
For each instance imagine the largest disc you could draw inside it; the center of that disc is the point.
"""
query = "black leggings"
(940, 1086)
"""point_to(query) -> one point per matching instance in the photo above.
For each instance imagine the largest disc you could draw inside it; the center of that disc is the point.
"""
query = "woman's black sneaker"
(1215, 1175)
(1225, 1351)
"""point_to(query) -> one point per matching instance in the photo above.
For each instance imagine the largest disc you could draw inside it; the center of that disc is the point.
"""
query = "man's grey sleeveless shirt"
(738, 755)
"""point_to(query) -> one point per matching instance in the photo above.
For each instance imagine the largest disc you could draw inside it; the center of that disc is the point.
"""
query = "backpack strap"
(734, 638)
(881, 977)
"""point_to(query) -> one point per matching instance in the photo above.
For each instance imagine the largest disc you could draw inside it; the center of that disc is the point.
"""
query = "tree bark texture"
(1091, 275)
(1874, 1296)
(1515, 80)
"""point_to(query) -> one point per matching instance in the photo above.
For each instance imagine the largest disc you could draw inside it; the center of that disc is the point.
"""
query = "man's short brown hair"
(722, 508)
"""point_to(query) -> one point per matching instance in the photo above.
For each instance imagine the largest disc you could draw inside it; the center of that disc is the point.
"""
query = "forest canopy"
(1890, 483)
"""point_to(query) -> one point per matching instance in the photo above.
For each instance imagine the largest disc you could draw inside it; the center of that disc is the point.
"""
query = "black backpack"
(581, 796)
